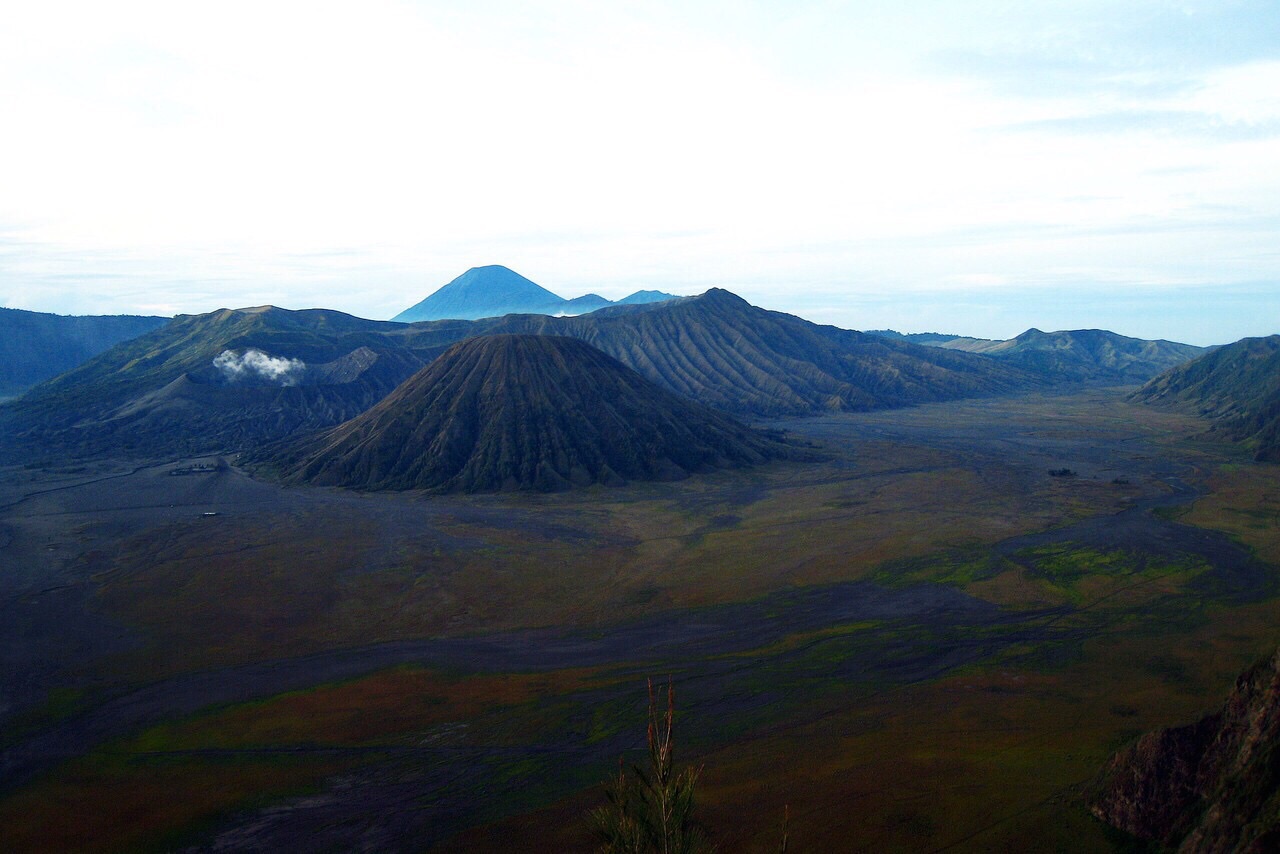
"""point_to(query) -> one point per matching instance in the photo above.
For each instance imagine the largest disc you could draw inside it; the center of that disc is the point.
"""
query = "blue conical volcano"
(490, 291)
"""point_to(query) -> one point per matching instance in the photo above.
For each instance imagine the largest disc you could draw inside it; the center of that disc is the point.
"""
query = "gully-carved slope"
(1238, 385)
(729, 354)
(523, 412)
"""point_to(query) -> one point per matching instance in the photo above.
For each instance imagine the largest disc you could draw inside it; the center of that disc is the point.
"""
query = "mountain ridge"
(754, 362)
(166, 391)
(1238, 386)
(1075, 355)
(37, 346)
(256, 371)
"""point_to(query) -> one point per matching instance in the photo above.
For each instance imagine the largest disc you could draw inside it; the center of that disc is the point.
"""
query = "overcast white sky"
(926, 165)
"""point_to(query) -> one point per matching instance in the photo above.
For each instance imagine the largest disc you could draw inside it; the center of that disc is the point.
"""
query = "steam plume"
(255, 364)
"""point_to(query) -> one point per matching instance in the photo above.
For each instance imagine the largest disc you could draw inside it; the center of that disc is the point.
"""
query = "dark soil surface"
(59, 531)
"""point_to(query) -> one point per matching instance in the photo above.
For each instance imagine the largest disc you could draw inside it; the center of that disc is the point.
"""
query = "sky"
(976, 168)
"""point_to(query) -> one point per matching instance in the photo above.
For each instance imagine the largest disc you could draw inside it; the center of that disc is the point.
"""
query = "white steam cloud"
(255, 364)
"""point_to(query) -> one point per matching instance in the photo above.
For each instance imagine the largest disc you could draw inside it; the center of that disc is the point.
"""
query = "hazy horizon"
(969, 168)
(906, 331)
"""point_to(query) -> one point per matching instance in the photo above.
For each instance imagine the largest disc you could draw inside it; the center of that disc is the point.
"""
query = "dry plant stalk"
(651, 811)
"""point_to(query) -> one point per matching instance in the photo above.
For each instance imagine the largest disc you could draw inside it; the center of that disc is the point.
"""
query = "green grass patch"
(1067, 564)
(1084, 576)
(957, 567)
(1171, 513)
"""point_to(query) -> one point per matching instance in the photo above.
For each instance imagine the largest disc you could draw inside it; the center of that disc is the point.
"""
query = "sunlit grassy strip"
(112, 802)
(1057, 574)
(959, 567)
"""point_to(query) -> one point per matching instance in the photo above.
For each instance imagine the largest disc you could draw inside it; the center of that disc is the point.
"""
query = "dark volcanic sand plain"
(920, 640)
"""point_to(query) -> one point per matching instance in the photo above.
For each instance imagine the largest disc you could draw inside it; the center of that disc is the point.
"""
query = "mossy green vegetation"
(958, 567)
(1083, 575)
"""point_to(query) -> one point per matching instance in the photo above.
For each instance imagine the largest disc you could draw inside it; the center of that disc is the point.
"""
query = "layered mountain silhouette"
(494, 290)
(540, 412)
(234, 379)
(1079, 355)
(1237, 385)
(35, 346)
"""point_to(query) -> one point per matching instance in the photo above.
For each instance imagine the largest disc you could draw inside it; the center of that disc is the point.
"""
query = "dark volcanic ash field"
(922, 546)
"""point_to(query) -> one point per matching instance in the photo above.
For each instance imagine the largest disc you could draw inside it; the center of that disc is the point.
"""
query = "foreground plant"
(651, 810)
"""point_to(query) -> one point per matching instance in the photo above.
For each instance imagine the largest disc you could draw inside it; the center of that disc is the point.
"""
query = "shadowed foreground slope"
(522, 412)
(1210, 786)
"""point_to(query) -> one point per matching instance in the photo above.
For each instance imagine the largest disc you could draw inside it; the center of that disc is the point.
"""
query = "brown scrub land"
(917, 639)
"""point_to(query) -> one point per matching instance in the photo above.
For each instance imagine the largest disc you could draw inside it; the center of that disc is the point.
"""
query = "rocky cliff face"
(1211, 786)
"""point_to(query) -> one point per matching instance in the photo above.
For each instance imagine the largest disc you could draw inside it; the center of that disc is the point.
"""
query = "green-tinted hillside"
(1238, 385)
(35, 346)
(1093, 356)
(217, 381)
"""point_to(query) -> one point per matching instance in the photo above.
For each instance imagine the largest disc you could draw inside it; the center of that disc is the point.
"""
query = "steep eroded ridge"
(534, 412)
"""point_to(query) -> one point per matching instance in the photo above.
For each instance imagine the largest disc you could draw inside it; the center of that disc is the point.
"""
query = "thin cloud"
(1175, 123)
(1143, 49)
